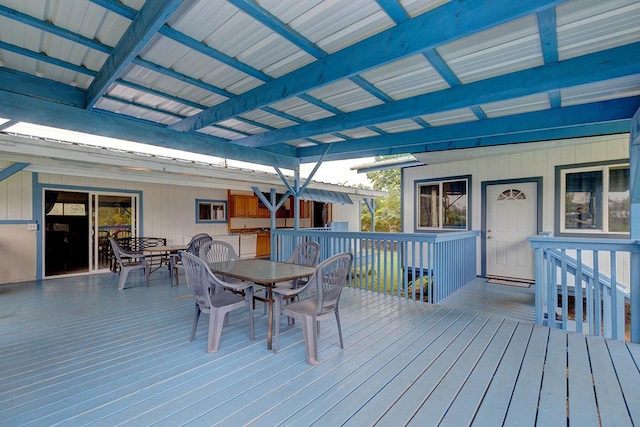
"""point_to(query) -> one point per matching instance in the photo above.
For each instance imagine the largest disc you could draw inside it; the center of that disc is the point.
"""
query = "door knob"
(489, 237)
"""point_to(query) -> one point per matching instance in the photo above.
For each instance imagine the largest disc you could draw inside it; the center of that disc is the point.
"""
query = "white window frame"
(440, 183)
(604, 169)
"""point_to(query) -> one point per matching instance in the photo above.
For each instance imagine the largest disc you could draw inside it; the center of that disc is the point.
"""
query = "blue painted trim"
(455, 20)
(557, 201)
(602, 65)
(418, 182)
(37, 214)
(12, 170)
(483, 212)
(211, 221)
(548, 34)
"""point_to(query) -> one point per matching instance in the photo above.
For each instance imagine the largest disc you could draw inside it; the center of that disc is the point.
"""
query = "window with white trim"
(442, 205)
(595, 199)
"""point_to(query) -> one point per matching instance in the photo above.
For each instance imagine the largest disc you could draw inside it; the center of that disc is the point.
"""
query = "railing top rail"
(420, 237)
(584, 243)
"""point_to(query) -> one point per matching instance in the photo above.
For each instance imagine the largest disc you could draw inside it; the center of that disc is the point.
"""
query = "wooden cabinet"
(252, 206)
(238, 206)
(263, 212)
(263, 245)
(242, 206)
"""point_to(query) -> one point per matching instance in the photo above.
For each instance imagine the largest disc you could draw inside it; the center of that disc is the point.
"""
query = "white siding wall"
(347, 213)
(525, 164)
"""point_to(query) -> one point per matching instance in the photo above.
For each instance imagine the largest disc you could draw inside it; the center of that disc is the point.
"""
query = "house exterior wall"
(527, 162)
(165, 211)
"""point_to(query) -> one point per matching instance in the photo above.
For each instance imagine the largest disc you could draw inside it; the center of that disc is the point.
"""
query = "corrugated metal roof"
(286, 77)
(326, 196)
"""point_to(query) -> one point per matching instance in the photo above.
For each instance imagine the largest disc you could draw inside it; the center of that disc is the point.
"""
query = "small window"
(211, 211)
(442, 205)
(595, 199)
(511, 194)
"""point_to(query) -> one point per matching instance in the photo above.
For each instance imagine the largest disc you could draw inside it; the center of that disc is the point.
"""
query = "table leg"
(270, 320)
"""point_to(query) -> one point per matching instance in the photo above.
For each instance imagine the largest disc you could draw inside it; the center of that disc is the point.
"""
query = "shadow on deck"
(77, 351)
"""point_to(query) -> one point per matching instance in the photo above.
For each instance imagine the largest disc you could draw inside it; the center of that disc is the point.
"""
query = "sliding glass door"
(77, 227)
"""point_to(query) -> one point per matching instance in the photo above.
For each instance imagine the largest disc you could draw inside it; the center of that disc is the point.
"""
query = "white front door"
(511, 218)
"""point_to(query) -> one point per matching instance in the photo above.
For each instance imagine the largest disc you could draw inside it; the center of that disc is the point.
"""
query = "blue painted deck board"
(77, 351)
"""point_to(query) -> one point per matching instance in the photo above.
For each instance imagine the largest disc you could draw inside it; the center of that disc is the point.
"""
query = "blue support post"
(634, 221)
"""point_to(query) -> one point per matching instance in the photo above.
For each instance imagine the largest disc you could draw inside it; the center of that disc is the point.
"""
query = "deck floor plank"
(553, 408)
(627, 372)
(583, 410)
(526, 394)
(103, 357)
(463, 409)
(613, 408)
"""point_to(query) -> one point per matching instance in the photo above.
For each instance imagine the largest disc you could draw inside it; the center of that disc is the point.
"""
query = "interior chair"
(306, 253)
(216, 304)
(128, 260)
(194, 249)
(324, 289)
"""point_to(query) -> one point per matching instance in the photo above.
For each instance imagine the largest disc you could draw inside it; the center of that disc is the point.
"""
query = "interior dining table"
(266, 273)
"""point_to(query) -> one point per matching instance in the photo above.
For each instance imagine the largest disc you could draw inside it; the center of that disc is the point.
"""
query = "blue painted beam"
(213, 53)
(265, 17)
(548, 34)
(453, 21)
(453, 137)
(143, 28)
(117, 7)
(7, 124)
(17, 81)
(394, 9)
(39, 56)
(634, 166)
(441, 67)
(604, 65)
(12, 170)
(47, 113)
(53, 29)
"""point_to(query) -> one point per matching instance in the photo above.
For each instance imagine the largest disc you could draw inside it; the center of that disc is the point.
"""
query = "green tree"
(387, 209)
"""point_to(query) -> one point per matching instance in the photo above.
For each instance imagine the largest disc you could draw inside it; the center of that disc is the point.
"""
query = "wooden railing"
(425, 267)
(583, 285)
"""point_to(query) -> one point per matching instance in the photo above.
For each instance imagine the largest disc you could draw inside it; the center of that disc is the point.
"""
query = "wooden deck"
(76, 351)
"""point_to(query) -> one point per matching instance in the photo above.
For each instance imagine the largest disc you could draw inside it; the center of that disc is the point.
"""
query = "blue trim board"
(557, 195)
(483, 212)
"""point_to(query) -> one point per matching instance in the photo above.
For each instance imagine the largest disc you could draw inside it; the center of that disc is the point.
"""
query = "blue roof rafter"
(272, 22)
(616, 114)
(394, 10)
(47, 113)
(152, 17)
(38, 56)
(12, 170)
(549, 43)
(603, 65)
(32, 86)
(116, 6)
(455, 20)
(53, 29)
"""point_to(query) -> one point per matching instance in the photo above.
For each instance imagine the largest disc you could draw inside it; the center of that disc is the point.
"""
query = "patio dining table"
(266, 273)
(164, 252)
